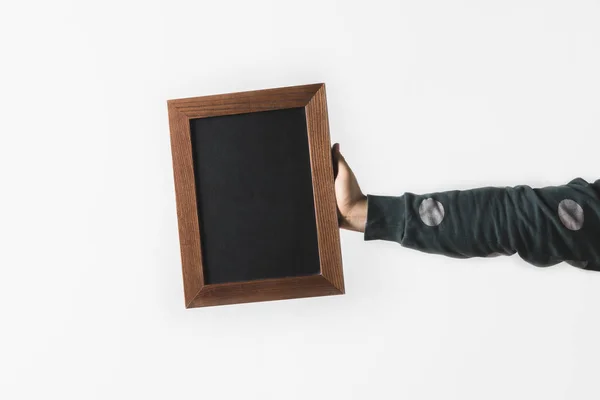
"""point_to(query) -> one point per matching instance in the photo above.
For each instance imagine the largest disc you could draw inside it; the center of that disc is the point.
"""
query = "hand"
(351, 202)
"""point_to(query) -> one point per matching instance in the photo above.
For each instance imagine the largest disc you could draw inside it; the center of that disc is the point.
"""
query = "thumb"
(339, 162)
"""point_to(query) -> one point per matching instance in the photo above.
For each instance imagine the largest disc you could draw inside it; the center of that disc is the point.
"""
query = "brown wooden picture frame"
(330, 280)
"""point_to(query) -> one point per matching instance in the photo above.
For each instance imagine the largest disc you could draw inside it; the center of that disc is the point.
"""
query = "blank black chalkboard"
(255, 197)
(255, 193)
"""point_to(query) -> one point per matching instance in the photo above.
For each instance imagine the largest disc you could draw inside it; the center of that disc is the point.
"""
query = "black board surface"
(255, 197)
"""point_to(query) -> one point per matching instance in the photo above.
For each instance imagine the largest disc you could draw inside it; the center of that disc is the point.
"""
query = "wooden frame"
(330, 281)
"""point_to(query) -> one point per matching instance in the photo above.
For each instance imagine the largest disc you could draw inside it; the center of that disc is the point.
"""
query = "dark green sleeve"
(544, 226)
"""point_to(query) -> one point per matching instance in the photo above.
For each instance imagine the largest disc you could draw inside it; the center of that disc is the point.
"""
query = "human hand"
(351, 202)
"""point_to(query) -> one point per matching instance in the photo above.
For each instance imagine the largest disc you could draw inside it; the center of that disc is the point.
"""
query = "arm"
(544, 226)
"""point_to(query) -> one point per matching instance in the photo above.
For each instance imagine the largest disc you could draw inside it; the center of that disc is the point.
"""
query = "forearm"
(544, 226)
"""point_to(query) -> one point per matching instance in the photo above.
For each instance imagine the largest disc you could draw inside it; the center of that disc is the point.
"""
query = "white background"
(423, 96)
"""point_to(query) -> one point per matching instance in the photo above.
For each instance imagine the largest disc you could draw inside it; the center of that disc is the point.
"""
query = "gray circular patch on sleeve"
(570, 214)
(431, 212)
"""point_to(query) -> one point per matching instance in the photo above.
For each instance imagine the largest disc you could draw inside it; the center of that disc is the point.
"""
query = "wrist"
(356, 217)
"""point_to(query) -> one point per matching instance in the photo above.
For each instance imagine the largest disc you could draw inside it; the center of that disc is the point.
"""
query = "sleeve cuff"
(386, 216)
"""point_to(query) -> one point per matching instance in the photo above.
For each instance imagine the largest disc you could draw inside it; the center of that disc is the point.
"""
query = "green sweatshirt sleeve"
(544, 226)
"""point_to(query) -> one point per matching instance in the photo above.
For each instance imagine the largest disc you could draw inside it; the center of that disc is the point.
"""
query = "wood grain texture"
(245, 102)
(328, 234)
(330, 281)
(264, 290)
(187, 210)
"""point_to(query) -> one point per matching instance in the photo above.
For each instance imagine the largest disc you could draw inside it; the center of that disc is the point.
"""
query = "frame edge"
(317, 122)
(187, 214)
